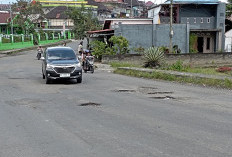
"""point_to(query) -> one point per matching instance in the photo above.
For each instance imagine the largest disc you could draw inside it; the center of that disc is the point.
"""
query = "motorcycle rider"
(39, 51)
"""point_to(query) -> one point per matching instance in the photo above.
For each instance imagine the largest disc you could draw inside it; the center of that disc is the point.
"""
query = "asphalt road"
(132, 117)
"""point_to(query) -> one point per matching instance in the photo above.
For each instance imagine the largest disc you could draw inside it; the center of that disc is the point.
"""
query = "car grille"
(64, 69)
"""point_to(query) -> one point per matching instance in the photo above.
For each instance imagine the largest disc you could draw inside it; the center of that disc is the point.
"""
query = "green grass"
(169, 77)
(10, 46)
(208, 71)
(123, 64)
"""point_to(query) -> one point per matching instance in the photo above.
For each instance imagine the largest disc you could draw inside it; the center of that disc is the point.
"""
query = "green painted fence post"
(38, 38)
(22, 37)
(32, 38)
(12, 38)
(59, 36)
(69, 35)
(46, 36)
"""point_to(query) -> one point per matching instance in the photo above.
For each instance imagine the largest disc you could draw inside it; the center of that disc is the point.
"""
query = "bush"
(6, 40)
(98, 48)
(18, 38)
(154, 57)
(120, 44)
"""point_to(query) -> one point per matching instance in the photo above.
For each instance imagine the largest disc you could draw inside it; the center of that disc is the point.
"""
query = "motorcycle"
(88, 64)
(39, 54)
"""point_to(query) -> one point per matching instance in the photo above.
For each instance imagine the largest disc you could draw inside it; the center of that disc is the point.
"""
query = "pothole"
(90, 104)
(124, 90)
(147, 88)
(163, 97)
(160, 93)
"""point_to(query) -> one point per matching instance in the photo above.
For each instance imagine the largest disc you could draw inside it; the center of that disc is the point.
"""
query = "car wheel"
(79, 80)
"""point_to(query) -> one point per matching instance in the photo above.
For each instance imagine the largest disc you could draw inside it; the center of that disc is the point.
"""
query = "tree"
(83, 20)
(27, 10)
(229, 8)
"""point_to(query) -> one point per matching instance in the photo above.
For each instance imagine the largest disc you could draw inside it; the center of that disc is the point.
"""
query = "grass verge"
(227, 83)
(123, 64)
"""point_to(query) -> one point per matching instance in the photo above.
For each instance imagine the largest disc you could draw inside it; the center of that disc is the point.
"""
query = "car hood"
(63, 62)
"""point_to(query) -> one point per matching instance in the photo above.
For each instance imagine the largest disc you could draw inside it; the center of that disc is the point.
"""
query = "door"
(200, 44)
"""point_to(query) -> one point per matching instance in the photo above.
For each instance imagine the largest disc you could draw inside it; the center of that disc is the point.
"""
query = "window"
(187, 20)
(195, 20)
(208, 44)
(208, 20)
(202, 20)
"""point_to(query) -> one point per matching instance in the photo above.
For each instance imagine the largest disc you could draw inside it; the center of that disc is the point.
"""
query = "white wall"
(228, 41)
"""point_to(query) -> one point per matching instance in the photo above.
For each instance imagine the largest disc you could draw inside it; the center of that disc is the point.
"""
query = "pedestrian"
(80, 48)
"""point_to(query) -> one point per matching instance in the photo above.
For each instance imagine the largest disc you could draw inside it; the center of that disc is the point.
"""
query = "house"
(117, 8)
(4, 22)
(228, 41)
(112, 24)
(198, 26)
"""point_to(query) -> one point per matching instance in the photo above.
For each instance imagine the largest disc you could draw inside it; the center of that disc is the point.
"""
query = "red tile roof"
(4, 17)
(149, 3)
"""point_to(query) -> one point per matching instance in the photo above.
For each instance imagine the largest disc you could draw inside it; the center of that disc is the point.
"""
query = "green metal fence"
(8, 42)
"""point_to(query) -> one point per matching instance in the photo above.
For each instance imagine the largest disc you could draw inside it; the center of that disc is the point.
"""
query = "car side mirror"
(42, 58)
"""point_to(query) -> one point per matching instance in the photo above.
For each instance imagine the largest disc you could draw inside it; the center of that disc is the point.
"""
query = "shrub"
(98, 48)
(17, 38)
(120, 44)
(6, 40)
(154, 56)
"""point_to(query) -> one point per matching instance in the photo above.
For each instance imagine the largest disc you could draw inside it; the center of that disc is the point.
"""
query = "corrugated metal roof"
(193, 2)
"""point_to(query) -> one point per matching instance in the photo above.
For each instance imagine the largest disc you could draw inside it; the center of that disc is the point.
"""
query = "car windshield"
(61, 54)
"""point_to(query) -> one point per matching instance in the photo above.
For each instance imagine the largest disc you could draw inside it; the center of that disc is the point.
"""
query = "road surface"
(108, 115)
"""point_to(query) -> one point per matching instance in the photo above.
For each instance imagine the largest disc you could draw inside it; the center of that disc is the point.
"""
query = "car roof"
(59, 48)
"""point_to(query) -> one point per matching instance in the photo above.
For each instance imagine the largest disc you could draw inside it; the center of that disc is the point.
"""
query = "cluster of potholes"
(151, 92)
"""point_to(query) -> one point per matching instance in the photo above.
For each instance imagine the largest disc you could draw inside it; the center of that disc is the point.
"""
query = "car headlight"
(49, 67)
(78, 65)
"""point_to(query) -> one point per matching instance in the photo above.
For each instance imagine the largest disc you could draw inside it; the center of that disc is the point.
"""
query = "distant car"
(60, 63)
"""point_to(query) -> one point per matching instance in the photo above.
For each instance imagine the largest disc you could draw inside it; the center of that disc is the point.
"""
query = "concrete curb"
(178, 74)
(8, 52)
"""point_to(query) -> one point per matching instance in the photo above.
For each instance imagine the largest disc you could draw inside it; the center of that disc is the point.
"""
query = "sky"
(154, 1)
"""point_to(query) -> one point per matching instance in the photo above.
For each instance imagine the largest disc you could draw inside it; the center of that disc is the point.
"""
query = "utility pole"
(171, 29)
(131, 10)
(11, 20)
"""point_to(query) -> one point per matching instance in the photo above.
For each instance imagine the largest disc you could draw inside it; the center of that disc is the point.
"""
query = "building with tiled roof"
(4, 21)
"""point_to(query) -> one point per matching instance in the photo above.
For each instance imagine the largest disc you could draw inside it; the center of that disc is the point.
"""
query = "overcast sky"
(154, 1)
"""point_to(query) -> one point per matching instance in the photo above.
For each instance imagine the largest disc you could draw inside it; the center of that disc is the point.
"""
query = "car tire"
(79, 80)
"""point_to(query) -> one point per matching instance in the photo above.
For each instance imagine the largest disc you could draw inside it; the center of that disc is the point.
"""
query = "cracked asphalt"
(108, 115)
